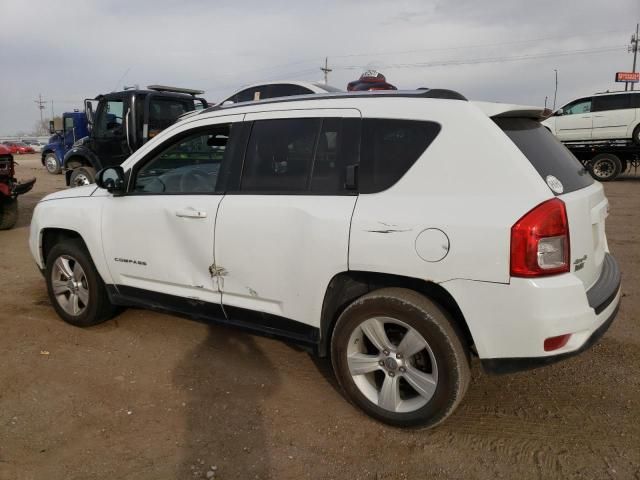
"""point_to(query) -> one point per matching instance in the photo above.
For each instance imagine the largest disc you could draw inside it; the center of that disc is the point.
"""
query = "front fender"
(86, 156)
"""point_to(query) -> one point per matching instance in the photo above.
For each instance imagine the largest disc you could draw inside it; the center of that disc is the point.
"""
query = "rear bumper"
(22, 187)
(509, 323)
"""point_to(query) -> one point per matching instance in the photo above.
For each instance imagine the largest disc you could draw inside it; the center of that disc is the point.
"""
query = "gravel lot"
(151, 396)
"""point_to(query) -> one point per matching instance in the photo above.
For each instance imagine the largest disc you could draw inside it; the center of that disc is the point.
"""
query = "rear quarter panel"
(472, 183)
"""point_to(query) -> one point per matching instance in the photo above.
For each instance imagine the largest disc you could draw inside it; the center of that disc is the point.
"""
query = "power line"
(469, 46)
(446, 63)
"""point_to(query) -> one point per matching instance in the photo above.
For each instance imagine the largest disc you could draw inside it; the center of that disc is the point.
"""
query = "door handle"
(191, 213)
(587, 116)
(598, 116)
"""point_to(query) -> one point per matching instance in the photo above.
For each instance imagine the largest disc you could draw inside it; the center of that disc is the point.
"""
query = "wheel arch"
(345, 287)
(50, 236)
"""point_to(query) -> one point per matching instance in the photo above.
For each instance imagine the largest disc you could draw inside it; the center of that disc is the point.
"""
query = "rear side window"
(389, 148)
(285, 90)
(611, 102)
(279, 155)
(547, 155)
(163, 112)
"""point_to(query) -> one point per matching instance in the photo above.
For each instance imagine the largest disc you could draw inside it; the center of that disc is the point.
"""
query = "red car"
(10, 188)
(19, 147)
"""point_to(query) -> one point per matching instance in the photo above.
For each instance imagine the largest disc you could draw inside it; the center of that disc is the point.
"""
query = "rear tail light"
(540, 241)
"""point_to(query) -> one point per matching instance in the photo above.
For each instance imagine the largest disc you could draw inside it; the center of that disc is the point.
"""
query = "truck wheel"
(605, 167)
(635, 136)
(8, 213)
(75, 288)
(399, 357)
(51, 164)
(82, 176)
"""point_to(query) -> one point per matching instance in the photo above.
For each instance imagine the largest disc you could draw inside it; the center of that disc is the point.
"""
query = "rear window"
(547, 155)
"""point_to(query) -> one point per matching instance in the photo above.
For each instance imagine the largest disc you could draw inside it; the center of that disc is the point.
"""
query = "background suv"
(357, 226)
(604, 116)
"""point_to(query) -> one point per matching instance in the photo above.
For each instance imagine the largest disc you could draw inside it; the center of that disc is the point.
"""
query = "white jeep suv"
(398, 233)
(604, 116)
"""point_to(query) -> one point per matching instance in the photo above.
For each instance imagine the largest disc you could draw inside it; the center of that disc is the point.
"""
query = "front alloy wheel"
(70, 285)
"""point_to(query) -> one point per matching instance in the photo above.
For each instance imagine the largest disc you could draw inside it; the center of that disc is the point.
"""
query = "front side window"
(389, 148)
(189, 165)
(279, 155)
(575, 108)
(110, 119)
(68, 123)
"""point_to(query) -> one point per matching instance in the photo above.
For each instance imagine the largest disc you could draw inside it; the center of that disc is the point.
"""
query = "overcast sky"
(498, 50)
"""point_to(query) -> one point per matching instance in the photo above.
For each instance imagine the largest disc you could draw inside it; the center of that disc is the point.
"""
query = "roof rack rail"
(166, 88)
(440, 93)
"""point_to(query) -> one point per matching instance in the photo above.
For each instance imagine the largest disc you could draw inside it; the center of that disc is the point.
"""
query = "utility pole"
(326, 70)
(633, 47)
(52, 115)
(41, 105)
(555, 93)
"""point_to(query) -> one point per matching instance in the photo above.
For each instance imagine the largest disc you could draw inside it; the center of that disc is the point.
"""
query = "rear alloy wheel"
(51, 164)
(398, 356)
(8, 212)
(75, 288)
(82, 176)
(605, 167)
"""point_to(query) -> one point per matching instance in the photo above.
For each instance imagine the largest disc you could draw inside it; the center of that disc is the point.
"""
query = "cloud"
(84, 48)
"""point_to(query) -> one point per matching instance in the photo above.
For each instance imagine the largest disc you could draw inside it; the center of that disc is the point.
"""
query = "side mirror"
(88, 110)
(52, 128)
(111, 179)
(559, 112)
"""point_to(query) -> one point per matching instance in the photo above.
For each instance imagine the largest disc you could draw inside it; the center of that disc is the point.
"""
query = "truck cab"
(74, 127)
(120, 123)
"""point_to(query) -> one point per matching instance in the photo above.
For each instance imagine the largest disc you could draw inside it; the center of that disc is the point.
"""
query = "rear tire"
(75, 288)
(8, 213)
(635, 136)
(51, 164)
(398, 356)
(605, 167)
(81, 176)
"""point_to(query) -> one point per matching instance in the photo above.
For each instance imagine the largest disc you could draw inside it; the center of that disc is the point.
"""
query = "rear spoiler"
(502, 110)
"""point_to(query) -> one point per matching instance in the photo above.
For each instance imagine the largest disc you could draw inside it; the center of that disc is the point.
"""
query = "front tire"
(82, 176)
(8, 212)
(75, 288)
(51, 164)
(398, 356)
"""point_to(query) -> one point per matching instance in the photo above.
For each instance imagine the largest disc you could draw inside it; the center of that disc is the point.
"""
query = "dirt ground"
(151, 396)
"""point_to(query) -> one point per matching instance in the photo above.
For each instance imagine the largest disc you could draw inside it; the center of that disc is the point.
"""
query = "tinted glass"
(244, 96)
(109, 120)
(285, 90)
(634, 100)
(389, 148)
(163, 112)
(279, 155)
(581, 106)
(611, 102)
(338, 147)
(547, 155)
(189, 165)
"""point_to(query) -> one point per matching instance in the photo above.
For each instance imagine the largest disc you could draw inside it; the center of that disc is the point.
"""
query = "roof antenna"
(120, 79)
